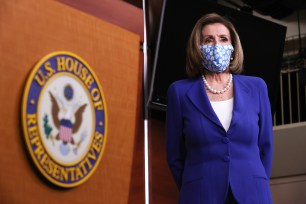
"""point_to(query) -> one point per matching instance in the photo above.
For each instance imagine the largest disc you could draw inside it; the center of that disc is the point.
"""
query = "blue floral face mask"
(216, 58)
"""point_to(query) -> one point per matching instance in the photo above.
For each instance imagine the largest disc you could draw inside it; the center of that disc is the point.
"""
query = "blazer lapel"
(198, 97)
(241, 97)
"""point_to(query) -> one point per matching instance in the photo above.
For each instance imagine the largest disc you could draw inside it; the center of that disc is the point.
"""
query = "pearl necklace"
(214, 91)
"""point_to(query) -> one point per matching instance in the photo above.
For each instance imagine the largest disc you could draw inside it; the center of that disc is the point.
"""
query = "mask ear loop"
(232, 57)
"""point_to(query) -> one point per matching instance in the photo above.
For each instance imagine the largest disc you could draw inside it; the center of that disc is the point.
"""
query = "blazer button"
(225, 140)
(226, 158)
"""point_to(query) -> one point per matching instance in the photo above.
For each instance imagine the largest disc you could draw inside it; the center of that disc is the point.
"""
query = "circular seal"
(64, 118)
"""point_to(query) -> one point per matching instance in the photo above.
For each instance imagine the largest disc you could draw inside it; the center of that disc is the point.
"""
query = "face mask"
(216, 58)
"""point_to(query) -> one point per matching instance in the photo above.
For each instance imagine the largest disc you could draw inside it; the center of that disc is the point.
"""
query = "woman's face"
(215, 33)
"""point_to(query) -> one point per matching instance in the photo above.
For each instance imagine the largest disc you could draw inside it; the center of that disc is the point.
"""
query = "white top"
(223, 110)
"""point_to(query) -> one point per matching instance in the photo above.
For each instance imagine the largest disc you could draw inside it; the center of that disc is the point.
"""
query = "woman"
(219, 125)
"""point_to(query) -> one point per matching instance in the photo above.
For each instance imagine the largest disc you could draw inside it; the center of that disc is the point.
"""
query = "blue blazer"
(204, 159)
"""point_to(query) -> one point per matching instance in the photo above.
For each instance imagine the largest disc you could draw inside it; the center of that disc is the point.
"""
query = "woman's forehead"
(215, 29)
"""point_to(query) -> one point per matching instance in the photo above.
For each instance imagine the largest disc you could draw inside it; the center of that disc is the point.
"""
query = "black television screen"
(262, 42)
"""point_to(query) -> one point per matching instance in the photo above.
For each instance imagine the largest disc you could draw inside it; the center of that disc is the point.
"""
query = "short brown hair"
(194, 57)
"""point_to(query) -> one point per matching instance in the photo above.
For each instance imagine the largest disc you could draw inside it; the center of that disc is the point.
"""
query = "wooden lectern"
(31, 29)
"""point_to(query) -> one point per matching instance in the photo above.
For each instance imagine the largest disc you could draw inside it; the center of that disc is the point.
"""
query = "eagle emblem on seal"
(64, 124)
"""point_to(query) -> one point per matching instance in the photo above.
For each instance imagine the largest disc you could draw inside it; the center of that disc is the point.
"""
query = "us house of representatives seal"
(64, 118)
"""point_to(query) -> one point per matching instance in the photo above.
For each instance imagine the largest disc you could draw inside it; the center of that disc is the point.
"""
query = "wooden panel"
(116, 12)
(163, 188)
(31, 29)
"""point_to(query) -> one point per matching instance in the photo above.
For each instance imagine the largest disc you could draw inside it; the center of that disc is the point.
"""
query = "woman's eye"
(224, 39)
(208, 40)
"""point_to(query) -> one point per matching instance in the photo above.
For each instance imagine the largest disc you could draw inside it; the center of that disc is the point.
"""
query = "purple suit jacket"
(204, 159)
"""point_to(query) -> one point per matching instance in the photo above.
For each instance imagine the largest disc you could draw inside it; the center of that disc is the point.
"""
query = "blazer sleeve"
(175, 147)
(265, 138)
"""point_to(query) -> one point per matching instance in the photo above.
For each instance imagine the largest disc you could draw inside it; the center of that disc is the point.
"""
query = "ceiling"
(277, 9)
